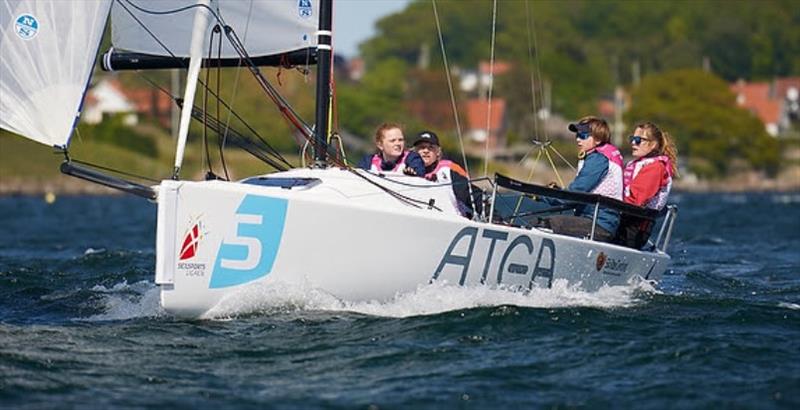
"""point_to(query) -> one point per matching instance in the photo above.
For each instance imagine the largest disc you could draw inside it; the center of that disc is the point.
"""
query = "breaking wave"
(125, 301)
(425, 300)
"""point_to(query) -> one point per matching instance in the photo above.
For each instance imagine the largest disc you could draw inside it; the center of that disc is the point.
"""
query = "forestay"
(47, 52)
(264, 27)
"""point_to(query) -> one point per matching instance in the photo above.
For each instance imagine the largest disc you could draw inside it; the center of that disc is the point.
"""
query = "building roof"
(500, 67)
(758, 98)
(782, 85)
(477, 110)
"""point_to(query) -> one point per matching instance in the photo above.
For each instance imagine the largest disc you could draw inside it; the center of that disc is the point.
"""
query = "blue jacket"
(595, 168)
(413, 161)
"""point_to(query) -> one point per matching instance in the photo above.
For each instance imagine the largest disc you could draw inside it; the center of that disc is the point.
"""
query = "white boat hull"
(347, 238)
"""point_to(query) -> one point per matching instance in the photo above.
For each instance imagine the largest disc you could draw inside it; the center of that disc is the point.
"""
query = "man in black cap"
(443, 170)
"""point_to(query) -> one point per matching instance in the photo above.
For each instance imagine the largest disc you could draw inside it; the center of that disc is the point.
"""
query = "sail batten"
(47, 52)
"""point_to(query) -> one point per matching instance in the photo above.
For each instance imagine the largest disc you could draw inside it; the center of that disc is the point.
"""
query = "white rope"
(532, 72)
(563, 159)
(455, 108)
(538, 71)
(450, 87)
(236, 79)
(491, 86)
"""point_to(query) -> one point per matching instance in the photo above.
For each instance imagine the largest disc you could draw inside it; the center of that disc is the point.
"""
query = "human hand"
(410, 171)
(553, 185)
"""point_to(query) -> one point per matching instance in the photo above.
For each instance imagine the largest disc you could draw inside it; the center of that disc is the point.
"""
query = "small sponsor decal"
(601, 261)
(304, 8)
(191, 240)
(26, 26)
(189, 250)
(615, 267)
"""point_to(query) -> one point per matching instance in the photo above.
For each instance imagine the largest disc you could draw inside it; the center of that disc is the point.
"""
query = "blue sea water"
(80, 326)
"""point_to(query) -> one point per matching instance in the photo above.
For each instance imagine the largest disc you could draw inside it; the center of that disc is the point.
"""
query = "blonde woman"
(647, 180)
(648, 177)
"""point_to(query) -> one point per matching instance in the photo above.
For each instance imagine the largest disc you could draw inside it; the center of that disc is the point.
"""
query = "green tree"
(377, 99)
(700, 112)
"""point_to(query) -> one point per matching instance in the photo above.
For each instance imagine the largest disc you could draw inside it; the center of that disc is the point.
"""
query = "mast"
(196, 57)
(324, 51)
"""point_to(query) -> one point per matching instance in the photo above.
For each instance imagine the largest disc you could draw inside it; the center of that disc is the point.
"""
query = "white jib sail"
(271, 26)
(47, 51)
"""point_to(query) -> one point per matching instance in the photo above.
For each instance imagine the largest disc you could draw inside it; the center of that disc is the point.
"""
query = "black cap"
(426, 136)
(580, 127)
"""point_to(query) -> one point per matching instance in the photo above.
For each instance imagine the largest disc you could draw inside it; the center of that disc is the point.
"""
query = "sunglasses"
(582, 135)
(637, 140)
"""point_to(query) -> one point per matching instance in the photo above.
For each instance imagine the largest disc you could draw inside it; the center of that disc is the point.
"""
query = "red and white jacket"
(648, 181)
(441, 173)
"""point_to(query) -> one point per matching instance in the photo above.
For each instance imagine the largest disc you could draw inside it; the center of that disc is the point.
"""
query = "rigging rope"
(453, 100)
(532, 73)
(220, 139)
(205, 152)
(491, 87)
(283, 106)
(450, 87)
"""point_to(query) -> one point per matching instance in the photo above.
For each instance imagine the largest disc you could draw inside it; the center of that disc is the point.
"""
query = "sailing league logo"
(304, 8)
(26, 26)
(189, 248)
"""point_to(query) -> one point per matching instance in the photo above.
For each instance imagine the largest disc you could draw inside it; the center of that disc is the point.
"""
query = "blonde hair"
(386, 126)
(600, 131)
(664, 143)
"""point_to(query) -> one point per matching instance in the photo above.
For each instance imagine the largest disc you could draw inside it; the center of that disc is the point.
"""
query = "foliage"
(377, 99)
(581, 48)
(700, 112)
(112, 130)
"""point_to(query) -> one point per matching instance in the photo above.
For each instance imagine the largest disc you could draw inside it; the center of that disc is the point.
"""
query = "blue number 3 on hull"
(249, 250)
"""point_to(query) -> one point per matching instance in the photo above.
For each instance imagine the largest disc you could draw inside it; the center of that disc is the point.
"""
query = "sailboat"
(322, 226)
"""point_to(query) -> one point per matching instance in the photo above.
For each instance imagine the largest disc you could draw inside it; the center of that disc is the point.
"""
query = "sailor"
(599, 172)
(647, 179)
(442, 170)
(392, 155)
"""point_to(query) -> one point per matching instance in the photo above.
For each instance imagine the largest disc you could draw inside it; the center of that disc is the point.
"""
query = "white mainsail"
(47, 52)
(271, 26)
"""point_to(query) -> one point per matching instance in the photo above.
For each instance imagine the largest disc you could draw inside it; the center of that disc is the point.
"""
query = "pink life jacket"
(634, 167)
(611, 185)
(377, 160)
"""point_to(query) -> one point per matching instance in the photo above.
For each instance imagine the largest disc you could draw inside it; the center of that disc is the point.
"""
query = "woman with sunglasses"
(647, 179)
(599, 172)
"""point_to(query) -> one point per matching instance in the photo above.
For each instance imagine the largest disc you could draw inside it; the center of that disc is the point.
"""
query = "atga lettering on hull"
(517, 258)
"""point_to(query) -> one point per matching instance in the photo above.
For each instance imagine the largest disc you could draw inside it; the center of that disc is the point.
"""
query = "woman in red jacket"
(647, 179)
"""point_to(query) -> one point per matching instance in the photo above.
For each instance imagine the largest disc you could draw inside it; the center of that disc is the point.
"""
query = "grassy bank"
(28, 167)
